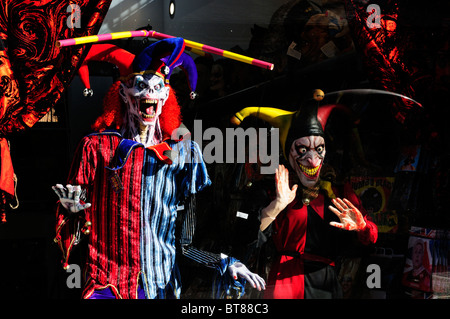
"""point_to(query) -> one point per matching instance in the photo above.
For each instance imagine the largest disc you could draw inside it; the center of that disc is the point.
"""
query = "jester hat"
(159, 58)
(309, 120)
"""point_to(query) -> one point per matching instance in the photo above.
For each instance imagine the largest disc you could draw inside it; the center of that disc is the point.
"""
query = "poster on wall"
(437, 244)
(374, 193)
(418, 264)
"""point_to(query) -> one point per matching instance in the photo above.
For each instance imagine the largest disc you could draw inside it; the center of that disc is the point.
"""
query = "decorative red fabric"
(6, 169)
(384, 52)
(34, 71)
(7, 190)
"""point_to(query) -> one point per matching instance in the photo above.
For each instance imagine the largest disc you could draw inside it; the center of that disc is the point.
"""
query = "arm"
(70, 213)
(69, 197)
(226, 266)
(285, 195)
(352, 219)
(207, 259)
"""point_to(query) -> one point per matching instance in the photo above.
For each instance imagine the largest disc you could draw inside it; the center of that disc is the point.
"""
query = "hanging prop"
(195, 46)
(373, 92)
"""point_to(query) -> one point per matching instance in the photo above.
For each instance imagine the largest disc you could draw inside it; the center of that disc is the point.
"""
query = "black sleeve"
(205, 258)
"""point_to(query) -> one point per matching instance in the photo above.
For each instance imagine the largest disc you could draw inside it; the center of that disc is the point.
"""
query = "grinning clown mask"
(306, 157)
(145, 95)
(302, 132)
(305, 145)
(144, 85)
(301, 135)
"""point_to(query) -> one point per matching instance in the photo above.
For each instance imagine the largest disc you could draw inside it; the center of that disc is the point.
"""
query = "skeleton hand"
(285, 195)
(350, 216)
(239, 269)
(70, 197)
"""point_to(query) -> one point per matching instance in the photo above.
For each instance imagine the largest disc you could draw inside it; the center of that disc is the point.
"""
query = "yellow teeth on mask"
(149, 101)
(147, 116)
(310, 171)
(145, 104)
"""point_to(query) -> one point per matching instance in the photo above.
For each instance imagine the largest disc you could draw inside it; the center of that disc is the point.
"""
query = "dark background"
(30, 262)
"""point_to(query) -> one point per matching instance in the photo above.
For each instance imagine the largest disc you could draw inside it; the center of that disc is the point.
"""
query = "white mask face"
(145, 96)
(306, 158)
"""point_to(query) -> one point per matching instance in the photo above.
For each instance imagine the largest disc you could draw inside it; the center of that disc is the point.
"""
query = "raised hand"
(239, 269)
(285, 195)
(70, 197)
(350, 216)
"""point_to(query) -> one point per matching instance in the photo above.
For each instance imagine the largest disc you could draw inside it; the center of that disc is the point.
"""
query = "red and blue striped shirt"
(134, 197)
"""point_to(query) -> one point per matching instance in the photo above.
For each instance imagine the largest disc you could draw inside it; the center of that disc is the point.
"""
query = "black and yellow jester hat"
(309, 120)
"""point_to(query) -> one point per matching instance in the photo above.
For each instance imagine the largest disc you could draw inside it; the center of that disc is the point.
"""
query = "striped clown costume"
(127, 180)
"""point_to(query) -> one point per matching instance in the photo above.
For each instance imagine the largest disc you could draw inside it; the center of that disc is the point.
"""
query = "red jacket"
(303, 233)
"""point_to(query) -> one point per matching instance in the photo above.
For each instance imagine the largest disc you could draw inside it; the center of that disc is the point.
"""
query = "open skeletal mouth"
(310, 172)
(148, 108)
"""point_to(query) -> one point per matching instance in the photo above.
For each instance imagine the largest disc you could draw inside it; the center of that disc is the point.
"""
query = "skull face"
(306, 157)
(145, 95)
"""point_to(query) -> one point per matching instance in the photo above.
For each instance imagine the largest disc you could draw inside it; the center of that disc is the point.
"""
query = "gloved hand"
(350, 216)
(70, 197)
(239, 269)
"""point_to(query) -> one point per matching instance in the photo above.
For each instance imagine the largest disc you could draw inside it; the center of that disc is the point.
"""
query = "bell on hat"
(159, 58)
(105, 53)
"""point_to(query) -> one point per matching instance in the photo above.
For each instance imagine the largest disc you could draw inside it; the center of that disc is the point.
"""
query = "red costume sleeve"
(70, 225)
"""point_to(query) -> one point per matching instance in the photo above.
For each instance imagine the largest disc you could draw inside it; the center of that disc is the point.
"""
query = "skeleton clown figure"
(127, 179)
(307, 222)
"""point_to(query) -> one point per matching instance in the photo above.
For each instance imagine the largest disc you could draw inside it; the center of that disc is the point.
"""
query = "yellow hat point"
(235, 121)
(278, 118)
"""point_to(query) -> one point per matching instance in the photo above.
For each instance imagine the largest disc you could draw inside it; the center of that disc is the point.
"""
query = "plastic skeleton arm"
(350, 216)
(235, 270)
(69, 197)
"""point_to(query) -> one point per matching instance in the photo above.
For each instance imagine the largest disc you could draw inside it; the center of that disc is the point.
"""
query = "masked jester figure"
(128, 178)
(307, 223)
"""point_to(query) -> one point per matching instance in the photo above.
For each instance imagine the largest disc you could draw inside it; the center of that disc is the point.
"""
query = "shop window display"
(385, 62)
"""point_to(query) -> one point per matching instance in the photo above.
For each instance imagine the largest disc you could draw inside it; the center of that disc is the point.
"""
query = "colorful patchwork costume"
(133, 173)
